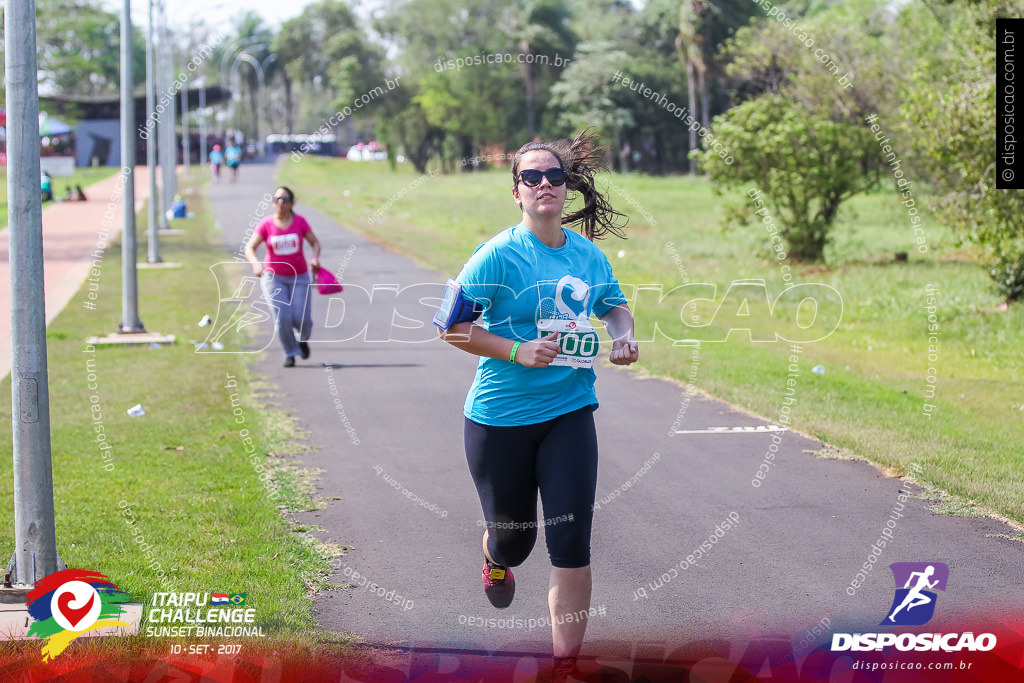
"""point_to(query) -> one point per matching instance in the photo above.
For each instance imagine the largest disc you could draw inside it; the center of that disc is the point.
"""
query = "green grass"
(82, 176)
(182, 468)
(870, 401)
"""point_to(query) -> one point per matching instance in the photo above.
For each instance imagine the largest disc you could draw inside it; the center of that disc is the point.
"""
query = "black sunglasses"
(531, 177)
(282, 199)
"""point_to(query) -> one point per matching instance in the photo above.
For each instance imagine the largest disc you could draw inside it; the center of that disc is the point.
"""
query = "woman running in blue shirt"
(529, 413)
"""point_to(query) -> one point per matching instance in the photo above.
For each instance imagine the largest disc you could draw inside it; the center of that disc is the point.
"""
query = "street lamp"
(236, 45)
(263, 140)
(168, 151)
(153, 204)
(244, 56)
(201, 84)
(186, 152)
(249, 59)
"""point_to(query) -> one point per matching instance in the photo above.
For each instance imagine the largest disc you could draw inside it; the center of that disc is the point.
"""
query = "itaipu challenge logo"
(69, 603)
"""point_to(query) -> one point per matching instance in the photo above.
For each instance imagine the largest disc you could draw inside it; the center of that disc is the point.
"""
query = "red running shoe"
(562, 670)
(499, 584)
(565, 670)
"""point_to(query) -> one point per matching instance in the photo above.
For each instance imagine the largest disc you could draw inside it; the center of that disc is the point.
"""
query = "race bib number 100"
(578, 341)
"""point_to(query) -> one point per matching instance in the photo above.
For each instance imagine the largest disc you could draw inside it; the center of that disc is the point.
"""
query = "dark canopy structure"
(98, 129)
(92, 107)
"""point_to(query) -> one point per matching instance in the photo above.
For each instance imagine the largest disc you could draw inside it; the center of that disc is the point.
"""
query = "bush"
(805, 166)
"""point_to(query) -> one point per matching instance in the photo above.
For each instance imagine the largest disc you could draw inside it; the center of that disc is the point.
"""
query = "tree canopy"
(781, 97)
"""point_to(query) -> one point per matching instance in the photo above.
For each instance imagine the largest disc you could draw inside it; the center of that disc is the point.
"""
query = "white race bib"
(286, 244)
(578, 341)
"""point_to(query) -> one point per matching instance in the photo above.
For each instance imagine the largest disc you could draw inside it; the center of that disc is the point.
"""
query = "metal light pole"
(172, 184)
(153, 203)
(236, 44)
(186, 152)
(249, 59)
(168, 146)
(264, 104)
(35, 538)
(236, 96)
(236, 77)
(201, 83)
(130, 290)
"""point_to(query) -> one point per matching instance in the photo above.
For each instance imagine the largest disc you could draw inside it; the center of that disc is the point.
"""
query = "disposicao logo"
(71, 602)
(912, 605)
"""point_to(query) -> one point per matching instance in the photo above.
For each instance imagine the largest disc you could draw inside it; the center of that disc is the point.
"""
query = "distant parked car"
(366, 152)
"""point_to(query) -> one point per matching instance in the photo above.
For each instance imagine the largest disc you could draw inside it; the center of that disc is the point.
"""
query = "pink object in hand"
(326, 283)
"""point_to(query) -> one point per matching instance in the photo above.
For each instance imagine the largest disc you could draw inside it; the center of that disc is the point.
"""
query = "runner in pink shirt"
(284, 275)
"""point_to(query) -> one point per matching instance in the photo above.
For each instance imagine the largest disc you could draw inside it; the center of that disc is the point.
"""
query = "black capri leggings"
(510, 464)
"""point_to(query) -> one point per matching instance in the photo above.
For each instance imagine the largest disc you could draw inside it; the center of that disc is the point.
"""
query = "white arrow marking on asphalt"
(734, 430)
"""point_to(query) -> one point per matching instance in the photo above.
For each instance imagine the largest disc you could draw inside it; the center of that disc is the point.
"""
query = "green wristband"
(512, 356)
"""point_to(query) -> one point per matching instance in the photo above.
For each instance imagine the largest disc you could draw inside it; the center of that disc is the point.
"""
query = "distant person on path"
(216, 159)
(233, 155)
(284, 275)
(76, 195)
(529, 413)
(46, 185)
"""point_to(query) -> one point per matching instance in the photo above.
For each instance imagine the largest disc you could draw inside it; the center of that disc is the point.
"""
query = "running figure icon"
(915, 597)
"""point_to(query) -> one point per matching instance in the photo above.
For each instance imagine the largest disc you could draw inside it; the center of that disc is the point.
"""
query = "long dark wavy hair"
(582, 159)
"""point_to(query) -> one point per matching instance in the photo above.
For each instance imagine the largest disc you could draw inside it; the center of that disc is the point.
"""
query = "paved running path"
(70, 236)
(379, 410)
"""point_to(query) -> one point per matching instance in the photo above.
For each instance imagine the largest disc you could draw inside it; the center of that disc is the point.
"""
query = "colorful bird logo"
(71, 602)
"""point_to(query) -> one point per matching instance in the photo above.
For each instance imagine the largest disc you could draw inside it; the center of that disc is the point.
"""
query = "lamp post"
(249, 59)
(130, 322)
(168, 140)
(236, 45)
(152, 209)
(186, 152)
(201, 84)
(35, 540)
(264, 104)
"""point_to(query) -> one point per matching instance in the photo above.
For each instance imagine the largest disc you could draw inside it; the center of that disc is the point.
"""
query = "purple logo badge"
(916, 583)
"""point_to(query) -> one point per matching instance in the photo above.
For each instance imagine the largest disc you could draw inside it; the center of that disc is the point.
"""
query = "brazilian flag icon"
(237, 598)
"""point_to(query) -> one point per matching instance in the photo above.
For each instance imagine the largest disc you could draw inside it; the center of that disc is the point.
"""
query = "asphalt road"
(383, 412)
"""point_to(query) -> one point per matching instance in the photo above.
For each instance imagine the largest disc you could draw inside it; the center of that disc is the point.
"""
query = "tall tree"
(586, 97)
(80, 47)
(252, 33)
(803, 141)
(329, 59)
(691, 52)
(541, 29)
(449, 53)
(949, 101)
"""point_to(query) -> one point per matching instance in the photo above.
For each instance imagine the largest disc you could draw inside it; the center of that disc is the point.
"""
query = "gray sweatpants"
(291, 299)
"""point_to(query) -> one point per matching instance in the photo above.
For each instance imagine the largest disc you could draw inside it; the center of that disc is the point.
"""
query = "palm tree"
(540, 27)
(689, 44)
(703, 27)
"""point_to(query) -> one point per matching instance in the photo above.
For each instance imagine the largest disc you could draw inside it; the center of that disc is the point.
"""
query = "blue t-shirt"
(519, 280)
